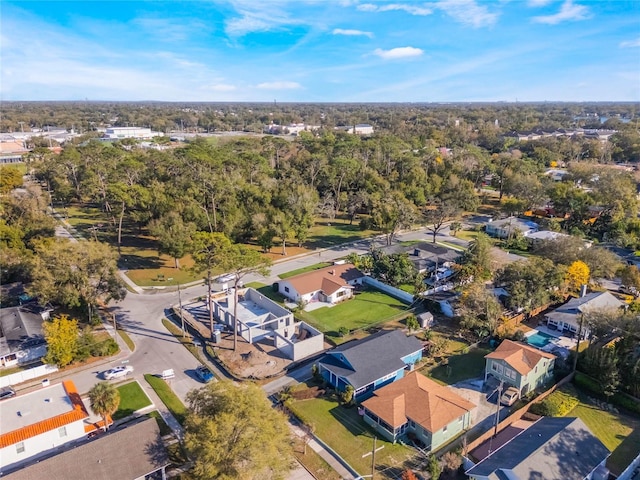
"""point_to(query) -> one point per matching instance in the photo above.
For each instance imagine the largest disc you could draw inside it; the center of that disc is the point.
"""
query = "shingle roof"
(19, 327)
(330, 278)
(554, 448)
(519, 356)
(420, 399)
(78, 412)
(371, 358)
(126, 454)
(592, 301)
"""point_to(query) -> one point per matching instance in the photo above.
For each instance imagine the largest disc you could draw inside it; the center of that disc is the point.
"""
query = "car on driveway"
(117, 372)
(7, 392)
(510, 396)
(204, 374)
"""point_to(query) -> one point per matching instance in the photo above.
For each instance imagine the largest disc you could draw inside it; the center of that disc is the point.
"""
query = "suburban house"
(262, 319)
(509, 226)
(331, 284)
(552, 448)
(134, 452)
(417, 406)
(32, 424)
(519, 365)
(21, 336)
(427, 257)
(542, 235)
(372, 362)
(566, 318)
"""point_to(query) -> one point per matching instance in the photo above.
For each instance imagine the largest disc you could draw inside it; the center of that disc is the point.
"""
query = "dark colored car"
(7, 392)
(204, 374)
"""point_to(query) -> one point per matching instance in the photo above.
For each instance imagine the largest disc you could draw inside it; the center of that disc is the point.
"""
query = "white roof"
(24, 410)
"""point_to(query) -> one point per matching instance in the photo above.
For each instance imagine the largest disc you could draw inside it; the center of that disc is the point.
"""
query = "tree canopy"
(232, 432)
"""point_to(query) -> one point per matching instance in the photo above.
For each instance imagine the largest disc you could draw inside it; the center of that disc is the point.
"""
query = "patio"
(559, 344)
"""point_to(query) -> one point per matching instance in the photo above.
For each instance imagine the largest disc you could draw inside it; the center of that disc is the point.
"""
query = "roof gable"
(371, 358)
(417, 398)
(332, 278)
(522, 358)
(554, 447)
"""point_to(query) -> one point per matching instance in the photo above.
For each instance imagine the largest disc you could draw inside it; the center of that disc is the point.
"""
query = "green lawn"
(132, 398)
(310, 268)
(345, 432)
(327, 233)
(365, 309)
(462, 366)
(619, 432)
(467, 235)
(170, 399)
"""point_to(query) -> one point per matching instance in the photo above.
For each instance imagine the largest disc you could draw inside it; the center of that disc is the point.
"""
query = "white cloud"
(630, 43)
(538, 3)
(221, 87)
(279, 85)
(259, 17)
(410, 9)
(350, 32)
(568, 12)
(468, 12)
(400, 52)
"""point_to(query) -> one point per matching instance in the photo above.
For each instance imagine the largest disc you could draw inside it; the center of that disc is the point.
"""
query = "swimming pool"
(539, 339)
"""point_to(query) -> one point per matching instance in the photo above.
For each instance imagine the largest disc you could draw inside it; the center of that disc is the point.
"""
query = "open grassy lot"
(132, 398)
(367, 308)
(619, 432)
(299, 271)
(345, 432)
(459, 367)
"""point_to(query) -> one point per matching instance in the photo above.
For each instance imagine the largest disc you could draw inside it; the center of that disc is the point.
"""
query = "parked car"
(117, 372)
(204, 374)
(510, 396)
(7, 392)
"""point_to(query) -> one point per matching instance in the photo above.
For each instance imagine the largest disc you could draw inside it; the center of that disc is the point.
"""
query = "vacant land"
(367, 308)
(345, 432)
(132, 398)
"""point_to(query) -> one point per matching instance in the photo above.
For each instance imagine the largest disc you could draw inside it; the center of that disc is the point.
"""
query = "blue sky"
(321, 50)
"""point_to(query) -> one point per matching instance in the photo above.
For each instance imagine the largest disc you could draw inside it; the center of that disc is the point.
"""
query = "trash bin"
(217, 336)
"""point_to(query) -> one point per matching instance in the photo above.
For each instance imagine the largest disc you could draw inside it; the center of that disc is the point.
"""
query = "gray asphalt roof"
(551, 449)
(372, 357)
(591, 301)
(126, 453)
(19, 326)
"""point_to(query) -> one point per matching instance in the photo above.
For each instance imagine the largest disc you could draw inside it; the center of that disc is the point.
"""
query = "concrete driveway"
(485, 412)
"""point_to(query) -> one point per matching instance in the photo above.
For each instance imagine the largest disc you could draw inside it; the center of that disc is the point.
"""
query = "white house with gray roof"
(566, 318)
(508, 226)
(372, 362)
(21, 336)
(554, 448)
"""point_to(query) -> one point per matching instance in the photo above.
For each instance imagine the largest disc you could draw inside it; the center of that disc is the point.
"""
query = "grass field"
(344, 431)
(132, 398)
(365, 309)
(462, 366)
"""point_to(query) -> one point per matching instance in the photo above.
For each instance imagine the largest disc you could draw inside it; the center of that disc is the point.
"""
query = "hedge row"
(558, 404)
(592, 386)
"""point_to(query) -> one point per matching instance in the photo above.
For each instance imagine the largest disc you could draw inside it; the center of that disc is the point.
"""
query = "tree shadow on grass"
(139, 262)
(624, 454)
(349, 418)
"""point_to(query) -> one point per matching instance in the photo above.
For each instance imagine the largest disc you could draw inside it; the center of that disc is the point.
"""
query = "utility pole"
(373, 458)
(497, 419)
(575, 358)
(180, 304)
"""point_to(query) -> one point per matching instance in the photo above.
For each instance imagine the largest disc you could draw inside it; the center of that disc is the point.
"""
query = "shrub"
(412, 322)
(343, 331)
(587, 383)
(346, 397)
(558, 404)
(105, 348)
(518, 336)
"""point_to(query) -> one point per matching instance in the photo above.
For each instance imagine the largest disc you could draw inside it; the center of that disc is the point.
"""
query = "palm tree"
(105, 400)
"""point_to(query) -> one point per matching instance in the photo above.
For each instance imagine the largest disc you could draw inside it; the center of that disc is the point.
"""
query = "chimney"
(583, 291)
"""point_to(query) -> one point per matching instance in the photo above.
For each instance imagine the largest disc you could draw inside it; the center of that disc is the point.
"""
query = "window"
(20, 447)
(286, 289)
(62, 431)
(496, 367)
(341, 293)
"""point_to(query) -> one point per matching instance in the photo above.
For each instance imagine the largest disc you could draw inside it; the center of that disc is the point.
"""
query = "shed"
(426, 320)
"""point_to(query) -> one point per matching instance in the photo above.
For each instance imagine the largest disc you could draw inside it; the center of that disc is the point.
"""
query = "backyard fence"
(401, 295)
(29, 374)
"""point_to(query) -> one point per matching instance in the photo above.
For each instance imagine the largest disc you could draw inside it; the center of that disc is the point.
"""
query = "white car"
(117, 372)
(510, 396)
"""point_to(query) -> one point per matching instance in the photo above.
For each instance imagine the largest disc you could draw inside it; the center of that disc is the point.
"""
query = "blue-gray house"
(372, 362)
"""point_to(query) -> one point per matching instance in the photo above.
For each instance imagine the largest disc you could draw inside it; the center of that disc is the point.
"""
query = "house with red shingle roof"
(32, 424)
(520, 366)
(434, 413)
(330, 284)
